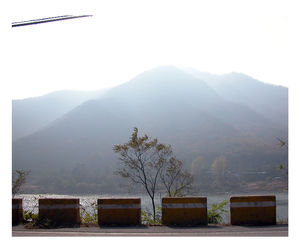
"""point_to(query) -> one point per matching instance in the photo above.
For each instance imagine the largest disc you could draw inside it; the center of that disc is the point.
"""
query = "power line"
(46, 20)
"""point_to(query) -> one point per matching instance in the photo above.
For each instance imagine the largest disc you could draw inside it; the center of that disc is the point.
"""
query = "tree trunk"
(153, 206)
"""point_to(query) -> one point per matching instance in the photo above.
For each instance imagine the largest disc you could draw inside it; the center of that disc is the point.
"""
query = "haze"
(225, 123)
(123, 39)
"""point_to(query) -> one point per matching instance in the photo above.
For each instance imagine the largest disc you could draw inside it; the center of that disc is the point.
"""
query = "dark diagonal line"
(46, 20)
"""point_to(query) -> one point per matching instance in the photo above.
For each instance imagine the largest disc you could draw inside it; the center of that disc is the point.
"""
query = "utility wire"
(46, 20)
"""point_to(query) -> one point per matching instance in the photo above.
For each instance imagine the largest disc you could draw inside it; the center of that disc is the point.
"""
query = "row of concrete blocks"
(185, 211)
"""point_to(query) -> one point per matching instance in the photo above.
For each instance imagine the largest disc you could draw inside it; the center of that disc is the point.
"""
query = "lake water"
(30, 201)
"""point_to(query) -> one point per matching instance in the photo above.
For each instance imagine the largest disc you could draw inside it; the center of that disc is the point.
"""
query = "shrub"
(214, 214)
(88, 213)
(31, 220)
(30, 216)
(147, 217)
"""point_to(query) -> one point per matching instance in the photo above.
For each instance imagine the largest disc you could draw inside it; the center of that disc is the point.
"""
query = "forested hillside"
(223, 128)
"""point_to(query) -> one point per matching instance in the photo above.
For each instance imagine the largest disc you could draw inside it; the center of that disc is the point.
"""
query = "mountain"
(32, 114)
(266, 99)
(74, 152)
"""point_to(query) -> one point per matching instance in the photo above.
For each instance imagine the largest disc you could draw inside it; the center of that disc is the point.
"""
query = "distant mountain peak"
(167, 71)
(238, 76)
(164, 68)
(201, 115)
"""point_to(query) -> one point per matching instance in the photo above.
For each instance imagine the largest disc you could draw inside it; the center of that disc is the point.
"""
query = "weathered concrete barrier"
(17, 211)
(184, 211)
(60, 212)
(119, 212)
(253, 210)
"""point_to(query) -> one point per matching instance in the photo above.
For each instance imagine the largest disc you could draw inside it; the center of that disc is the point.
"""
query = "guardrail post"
(17, 211)
(253, 210)
(119, 212)
(184, 211)
(60, 212)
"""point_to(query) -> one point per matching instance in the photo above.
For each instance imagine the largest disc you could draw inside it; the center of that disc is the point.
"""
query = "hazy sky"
(124, 38)
(257, 37)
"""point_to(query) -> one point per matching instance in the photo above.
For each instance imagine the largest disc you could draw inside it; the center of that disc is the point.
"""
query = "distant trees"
(150, 163)
(284, 167)
(218, 168)
(283, 144)
(18, 180)
(198, 167)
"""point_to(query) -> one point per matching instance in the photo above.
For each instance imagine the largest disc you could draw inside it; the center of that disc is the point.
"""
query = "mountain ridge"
(177, 108)
(32, 114)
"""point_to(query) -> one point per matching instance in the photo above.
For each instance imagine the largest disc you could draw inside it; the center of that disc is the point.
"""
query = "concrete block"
(185, 211)
(17, 211)
(253, 210)
(119, 212)
(60, 212)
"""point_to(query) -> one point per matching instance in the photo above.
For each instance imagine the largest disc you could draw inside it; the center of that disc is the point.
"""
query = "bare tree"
(18, 180)
(283, 144)
(284, 167)
(176, 181)
(143, 161)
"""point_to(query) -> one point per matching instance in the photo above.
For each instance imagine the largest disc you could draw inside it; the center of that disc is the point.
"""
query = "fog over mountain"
(32, 114)
(203, 116)
(266, 99)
